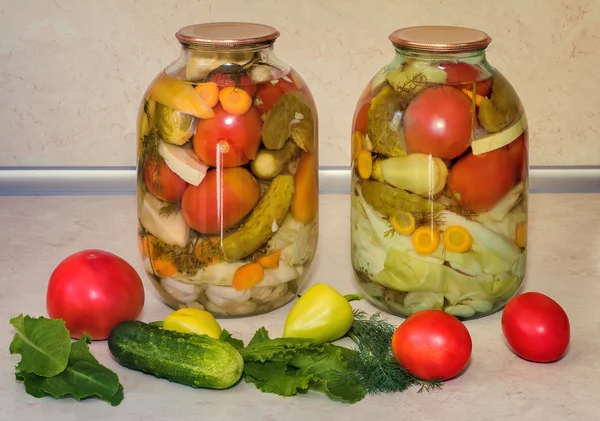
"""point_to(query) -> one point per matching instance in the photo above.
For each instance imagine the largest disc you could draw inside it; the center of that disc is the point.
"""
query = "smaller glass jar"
(228, 173)
(439, 178)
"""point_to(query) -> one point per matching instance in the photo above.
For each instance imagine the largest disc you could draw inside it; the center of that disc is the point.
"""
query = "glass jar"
(228, 173)
(439, 178)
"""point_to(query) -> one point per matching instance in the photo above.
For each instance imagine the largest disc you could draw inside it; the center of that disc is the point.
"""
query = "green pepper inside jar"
(439, 178)
(227, 173)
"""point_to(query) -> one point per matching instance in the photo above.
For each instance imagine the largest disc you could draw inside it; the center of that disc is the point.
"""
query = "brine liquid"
(227, 204)
(439, 190)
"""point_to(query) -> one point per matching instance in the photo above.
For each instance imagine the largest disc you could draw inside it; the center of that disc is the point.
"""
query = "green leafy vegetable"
(261, 335)
(376, 368)
(288, 366)
(226, 337)
(43, 343)
(53, 366)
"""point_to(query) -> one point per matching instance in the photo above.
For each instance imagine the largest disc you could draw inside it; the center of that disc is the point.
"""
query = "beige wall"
(73, 71)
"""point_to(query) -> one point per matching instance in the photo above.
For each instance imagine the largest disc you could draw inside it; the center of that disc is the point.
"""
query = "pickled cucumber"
(384, 122)
(389, 200)
(174, 126)
(269, 163)
(291, 116)
(265, 219)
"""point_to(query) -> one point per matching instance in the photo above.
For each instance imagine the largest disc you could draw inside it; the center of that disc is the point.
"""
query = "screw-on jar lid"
(440, 38)
(227, 34)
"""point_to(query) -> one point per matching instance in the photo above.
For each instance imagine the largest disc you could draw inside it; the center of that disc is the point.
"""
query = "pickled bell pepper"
(321, 313)
(193, 320)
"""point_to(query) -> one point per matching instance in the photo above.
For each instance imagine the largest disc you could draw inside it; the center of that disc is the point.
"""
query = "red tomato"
(235, 138)
(536, 327)
(268, 93)
(478, 182)
(93, 291)
(438, 122)
(223, 80)
(432, 345)
(361, 117)
(464, 74)
(518, 152)
(221, 200)
(162, 182)
(286, 86)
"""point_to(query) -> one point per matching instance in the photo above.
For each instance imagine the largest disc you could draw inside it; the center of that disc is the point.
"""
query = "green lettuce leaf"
(274, 377)
(53, 366)
(227, 337)
(44, 345)
(84, 377)
(261, 335)
(288, 366)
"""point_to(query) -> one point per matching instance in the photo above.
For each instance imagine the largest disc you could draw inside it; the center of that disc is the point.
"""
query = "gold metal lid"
(229, 34)
(454, 39)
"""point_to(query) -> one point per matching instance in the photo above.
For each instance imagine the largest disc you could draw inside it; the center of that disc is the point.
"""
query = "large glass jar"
(439, 178)
(228, 173)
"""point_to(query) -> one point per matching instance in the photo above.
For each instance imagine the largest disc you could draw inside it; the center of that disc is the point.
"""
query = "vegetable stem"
(353, 297)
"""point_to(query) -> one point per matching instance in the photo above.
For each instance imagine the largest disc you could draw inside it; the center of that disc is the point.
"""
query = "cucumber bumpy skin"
(387, 199)
(272, 207)
(193, 360)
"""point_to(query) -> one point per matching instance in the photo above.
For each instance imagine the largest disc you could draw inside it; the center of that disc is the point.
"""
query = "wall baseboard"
(51, 181)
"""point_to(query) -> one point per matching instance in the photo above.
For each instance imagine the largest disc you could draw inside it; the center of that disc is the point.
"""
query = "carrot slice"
(358, 143)
(270, 260)
(209, 91)
(206, 250)
(521, 234)
(457, 239)
(426, 239)
(403, 223)
(235, 100)
(163, 267)
(478, 98)
(247, 276)
(365, 164)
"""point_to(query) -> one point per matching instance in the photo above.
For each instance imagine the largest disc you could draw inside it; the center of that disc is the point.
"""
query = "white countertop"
(564, 263)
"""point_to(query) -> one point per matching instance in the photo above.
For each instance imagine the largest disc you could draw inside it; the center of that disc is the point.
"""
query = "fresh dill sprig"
(169, 209)
(389, 233)
(374, 364)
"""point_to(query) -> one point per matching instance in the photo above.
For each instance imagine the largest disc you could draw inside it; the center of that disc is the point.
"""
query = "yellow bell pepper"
(193, 320)
(321, 314)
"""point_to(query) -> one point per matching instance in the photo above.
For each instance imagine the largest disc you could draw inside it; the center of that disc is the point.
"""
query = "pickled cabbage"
(462, 284)
(400, 242)
(405, 273)
(368, 255)
(484, 238)
(474, 263)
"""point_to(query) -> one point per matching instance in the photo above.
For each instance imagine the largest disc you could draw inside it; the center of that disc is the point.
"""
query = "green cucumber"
(190, 359)
(269, 212)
